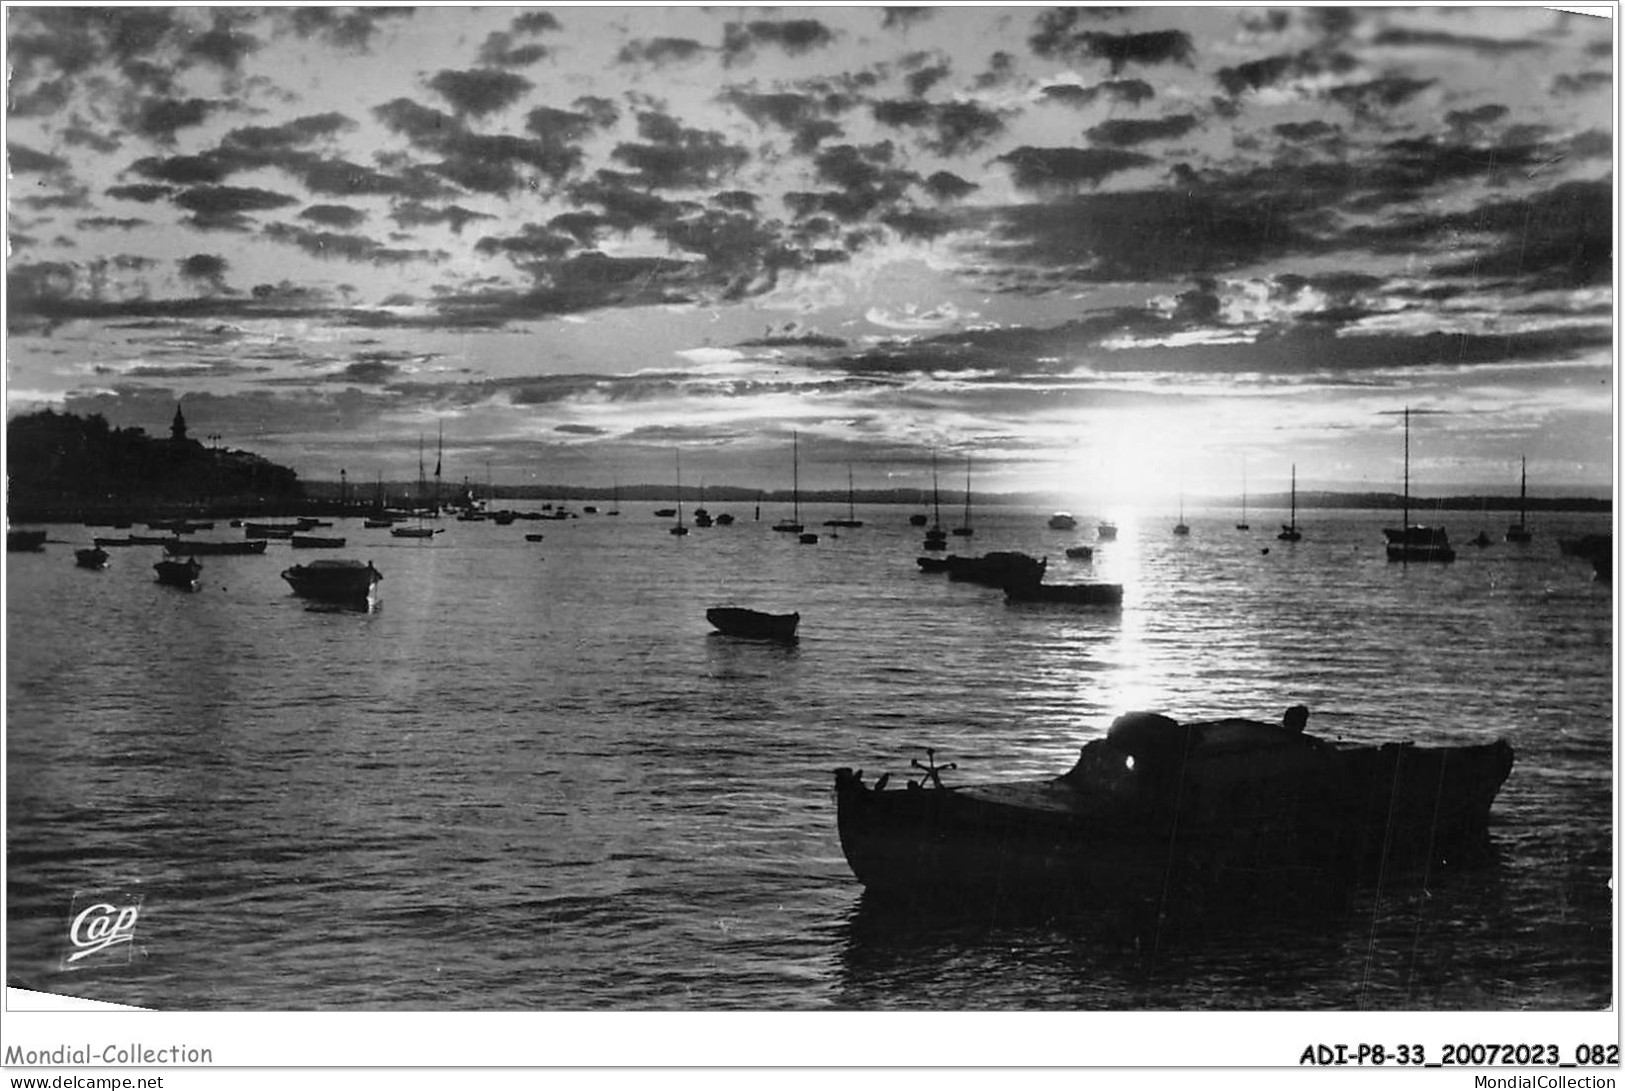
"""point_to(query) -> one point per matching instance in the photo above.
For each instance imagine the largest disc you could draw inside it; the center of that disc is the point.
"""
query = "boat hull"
(1228, 809)
(753, 624)
(343, 582)
(1071, 594)
(95, 557)
(251, 547)
(1418, 543)
(25, 541)
(183, 574)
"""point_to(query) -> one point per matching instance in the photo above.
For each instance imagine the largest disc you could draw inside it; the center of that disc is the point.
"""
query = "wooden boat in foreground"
(179, 573)
(340, 581)
(753, 624)
(1158, 809)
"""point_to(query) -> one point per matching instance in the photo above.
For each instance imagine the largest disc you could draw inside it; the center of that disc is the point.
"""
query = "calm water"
(532, 778)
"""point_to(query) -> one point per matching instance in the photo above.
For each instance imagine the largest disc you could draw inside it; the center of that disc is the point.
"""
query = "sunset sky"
(1114, 252)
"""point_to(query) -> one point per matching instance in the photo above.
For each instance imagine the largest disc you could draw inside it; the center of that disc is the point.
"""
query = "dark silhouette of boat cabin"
(184, 574)
(1000, 568)
(1415, 542)
(93, 557)
(1596, 548)
(25, 541)
(1158, 809)
(753, 624)
(338, 581)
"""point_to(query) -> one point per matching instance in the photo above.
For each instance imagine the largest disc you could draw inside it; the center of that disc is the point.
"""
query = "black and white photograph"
(810, 516)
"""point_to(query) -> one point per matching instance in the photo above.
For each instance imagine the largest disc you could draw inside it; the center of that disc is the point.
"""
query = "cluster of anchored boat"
(346, 582)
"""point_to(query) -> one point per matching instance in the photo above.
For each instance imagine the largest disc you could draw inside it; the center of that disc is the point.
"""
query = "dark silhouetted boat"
(1194, 813)
(793, 525)
(271, 530)
(1596, 548)
(753, 624)
(1062, 520)
(677, 528)
(1080, 552)
(192, 548)
(1001, 568)
(338, 581)
(851, 519)
(964, 530)
(93, 557)
(1518, 533)
(311, 541)
(1409, 541)
(1182, 528)
(1290, 531)
(25, 541)
(1088, 593)
(1106, 532)
(936, 538)
(179, 573)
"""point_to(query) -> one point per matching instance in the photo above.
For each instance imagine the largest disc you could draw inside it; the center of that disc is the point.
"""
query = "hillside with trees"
(64, 466)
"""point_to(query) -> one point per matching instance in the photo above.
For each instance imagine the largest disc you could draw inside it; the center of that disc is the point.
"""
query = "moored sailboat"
(1289, 531)
(851, 519)
(677, 528)
(936, 537)
(1414, 542)
(1244, 525)
(793, 525)
(964, 530)
(1518, 533)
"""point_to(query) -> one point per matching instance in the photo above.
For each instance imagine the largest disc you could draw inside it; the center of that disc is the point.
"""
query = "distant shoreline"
(325, 499)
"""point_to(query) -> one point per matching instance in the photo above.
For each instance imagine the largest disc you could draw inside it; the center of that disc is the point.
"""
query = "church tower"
(177, 428)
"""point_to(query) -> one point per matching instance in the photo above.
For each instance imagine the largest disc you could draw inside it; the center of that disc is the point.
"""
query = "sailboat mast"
(967, 491)
(1523, 490)
(1406, 522)
(936, 497)
(795, 474)
(422, 483)
(851, 513)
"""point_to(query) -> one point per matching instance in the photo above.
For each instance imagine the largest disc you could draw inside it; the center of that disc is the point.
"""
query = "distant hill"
(62, 464)
(716, 495)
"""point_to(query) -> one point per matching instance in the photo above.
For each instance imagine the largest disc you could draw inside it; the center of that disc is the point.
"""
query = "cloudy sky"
(1119, 252)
